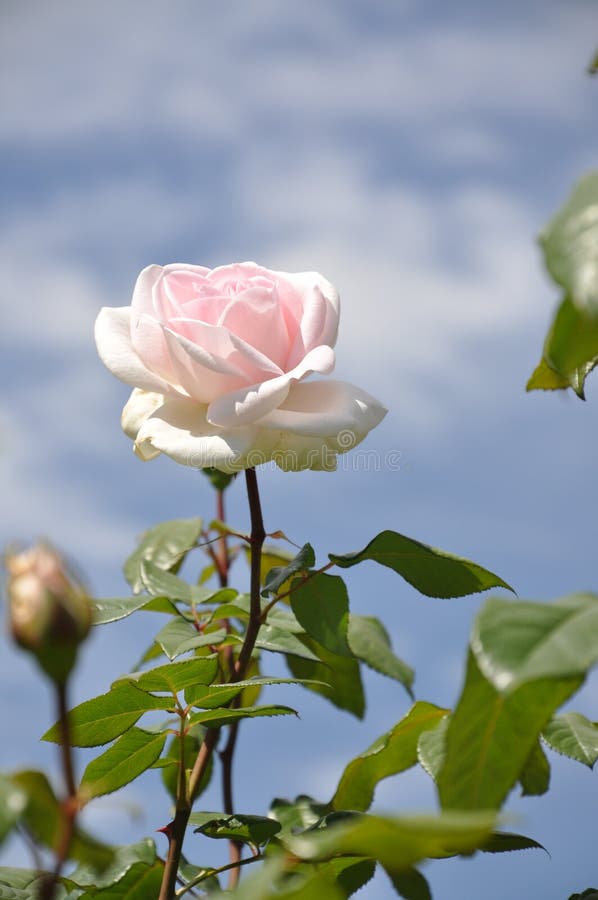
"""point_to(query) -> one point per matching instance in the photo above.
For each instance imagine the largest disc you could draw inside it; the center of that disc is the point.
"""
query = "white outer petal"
(246, 406)
(333, 410)
(179, 429)
(113, 340)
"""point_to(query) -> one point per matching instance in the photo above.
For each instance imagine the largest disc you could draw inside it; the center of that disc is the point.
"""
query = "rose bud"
(49, 610)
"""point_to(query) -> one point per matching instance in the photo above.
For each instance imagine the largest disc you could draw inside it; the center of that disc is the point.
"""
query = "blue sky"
(410, 152)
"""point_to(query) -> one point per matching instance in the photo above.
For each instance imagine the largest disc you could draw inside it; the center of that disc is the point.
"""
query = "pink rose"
(218, 359)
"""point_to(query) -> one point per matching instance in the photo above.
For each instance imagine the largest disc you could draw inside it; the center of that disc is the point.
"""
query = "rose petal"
(321, 309)
(179, 429)
(335, 410)
(115, 347)
(246, 406)
(254, 315)
(139, 406)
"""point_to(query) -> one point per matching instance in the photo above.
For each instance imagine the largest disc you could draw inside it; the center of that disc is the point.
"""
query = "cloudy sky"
(410, 151)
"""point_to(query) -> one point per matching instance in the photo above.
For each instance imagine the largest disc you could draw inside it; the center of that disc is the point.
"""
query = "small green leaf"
(410, 884)
(573, 735)
(100, 720)
(174, 677)
(396, 843)
(179, 636)
(255, 830)
(350, 873)
(164, 584)
(431, 748)
(217, 695)
(165, 545)
(543, 378)
(588, 894)
(214, 718)
(278, 575)
(115, 608)
(140, 883)
(171, 761)
(392, 753)
(339, 677)
(278, 641)
(299, 814)
(13, 801)
(432, 572)
(86, 876)
(571, 346)
(124, 761)
(219, 480)
(535, 775)
(26, 884)
(516, 641)
(43, 819)
(321, 606)
(370, 642)
(570, 244)
(490, 736)
(505, 842)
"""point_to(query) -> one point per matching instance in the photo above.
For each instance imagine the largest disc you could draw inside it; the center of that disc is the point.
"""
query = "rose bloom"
(219, 358)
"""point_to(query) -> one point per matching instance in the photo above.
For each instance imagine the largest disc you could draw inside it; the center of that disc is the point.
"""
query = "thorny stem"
(176, 829)
(70, 806)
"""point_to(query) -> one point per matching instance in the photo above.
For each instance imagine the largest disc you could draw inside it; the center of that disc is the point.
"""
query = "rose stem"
(227, 755)
(176, 831)
(69, 806)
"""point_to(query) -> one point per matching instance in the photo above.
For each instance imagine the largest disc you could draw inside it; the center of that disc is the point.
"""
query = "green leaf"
(140, 883)
(179, 636)
(431, 748)
(588, 894)
(410, 884)
(115, 608)
(217, 695)
(321, 606)
(255, 830)
(490, 736)
(535, 775)
(278, 575)
(13, 801)
(165, 545)
(85, 875)
(393, 752)
(543, 378)
(397, 843)
(432, 572)
(174, 677)
(124, 761)
(214, 718)
(505, 842)
(26, 884)
(43, 819)
(350, 873)
(370, 642)
(278, 641)
(299, 814)
(575, 736)
(571, 346)
(570, 244)
(164, 584)
(339, 677)
(100, 720)
(515, 642)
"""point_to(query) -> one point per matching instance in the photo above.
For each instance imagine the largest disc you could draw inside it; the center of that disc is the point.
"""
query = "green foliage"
(517, 642)
(369, 641)
(219, 480)
(100, 720)
(432, 572)
(174, 677)
(573, 735)
(397, 843)
(125, 858)
(165, 545)
(570, 246)
(321, 606)
(393, 752)
(279, 575)
(431, 748)
(42, 817)
(13, 801)
(213, 718)
(25, 884)
(410, 884)
(179, 636)
(170, 762)
(124, 761)
(491, 735)
(535, 775)
(298, 814)
(113, 609)
(506, 842)
(255, 830)
(338, 677)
